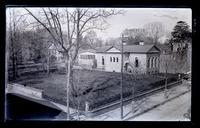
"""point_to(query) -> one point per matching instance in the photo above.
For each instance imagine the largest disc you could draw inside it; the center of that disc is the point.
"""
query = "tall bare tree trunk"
(48, 64)
(165, 93)
(68, 66)
(13, 60)
(6, 62)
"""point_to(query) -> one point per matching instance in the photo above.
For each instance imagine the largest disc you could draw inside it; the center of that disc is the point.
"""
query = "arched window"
(148, 63)
(102, 60)
(110, 59)
(152, 64)
(126, 66)
(113, 59)
(117, 59)
(136, 62)
(157, 62)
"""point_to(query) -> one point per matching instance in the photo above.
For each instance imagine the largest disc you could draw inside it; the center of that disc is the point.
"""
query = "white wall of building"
(116, 66)
(112, 61)
(99, 57)
(88, 62)
(109, 64)
(141, 59)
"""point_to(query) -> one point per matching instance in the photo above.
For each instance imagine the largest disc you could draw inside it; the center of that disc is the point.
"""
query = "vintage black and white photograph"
(98, 64)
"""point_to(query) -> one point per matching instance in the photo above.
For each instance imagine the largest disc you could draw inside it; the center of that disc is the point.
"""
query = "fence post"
(179, 76)
(86, 106)
(87, 109)
(133, 106)
(165, 94)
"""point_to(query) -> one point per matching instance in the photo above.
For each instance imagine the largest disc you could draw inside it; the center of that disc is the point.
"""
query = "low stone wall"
(17, 88)
(115, 104)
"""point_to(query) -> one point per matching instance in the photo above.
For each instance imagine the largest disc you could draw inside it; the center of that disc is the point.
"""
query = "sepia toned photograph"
(98, 64)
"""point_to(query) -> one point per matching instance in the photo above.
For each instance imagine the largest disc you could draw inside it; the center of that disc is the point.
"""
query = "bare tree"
(134, 35)
(78, 21)
(113, 41)
(91, 40)
(167, 60)
(16, 23)
(154, 30)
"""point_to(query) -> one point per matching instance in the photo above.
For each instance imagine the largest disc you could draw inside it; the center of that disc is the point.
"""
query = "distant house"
(141, 58)
(54, 52)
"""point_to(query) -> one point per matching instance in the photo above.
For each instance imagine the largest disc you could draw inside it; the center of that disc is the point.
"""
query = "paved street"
(170, 111)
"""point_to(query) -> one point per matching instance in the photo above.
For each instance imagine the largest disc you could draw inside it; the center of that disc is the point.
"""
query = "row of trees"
(150, 33)
(61, 23)
(178, 61)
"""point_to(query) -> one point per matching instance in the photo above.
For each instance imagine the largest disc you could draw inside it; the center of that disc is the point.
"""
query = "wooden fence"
(32, 68)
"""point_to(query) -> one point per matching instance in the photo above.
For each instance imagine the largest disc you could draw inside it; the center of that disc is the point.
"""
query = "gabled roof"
(103, 49)
(133, 48)
(164, 47)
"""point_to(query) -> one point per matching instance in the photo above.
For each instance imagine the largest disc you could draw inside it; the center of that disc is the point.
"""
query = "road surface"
(170, 111)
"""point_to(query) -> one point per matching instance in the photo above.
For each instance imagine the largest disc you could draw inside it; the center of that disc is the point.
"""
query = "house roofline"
(127, 52)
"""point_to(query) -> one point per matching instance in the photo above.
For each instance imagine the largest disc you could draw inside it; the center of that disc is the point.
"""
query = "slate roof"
(137, 48)
(164, 47)
(131, 48)
(103, 49)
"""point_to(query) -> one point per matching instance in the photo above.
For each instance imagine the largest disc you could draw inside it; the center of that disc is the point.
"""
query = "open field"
(96, 87)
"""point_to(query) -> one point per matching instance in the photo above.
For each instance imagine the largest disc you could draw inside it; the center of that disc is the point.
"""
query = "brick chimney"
(141, 43)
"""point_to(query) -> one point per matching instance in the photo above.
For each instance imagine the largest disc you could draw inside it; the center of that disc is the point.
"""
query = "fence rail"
(31, 68)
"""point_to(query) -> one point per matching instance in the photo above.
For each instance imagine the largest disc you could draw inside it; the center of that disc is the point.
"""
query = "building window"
(110, 59)
(113, 59)
(102, 60)
(156, 62)
(148, 63)
(152, 62)
(87, 56)
(117, 59)
(136, 62)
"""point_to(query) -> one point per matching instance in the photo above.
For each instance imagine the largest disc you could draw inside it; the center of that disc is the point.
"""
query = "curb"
(157, 105)
(127, 99)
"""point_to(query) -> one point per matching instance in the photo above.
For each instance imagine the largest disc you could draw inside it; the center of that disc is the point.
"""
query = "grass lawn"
(96, 87)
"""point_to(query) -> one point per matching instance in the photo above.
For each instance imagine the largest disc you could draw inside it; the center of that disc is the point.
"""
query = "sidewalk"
(143, 105)
(174, 110)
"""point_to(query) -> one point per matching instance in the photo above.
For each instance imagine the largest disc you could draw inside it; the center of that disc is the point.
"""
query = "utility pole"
(122, 65)
(121, 99)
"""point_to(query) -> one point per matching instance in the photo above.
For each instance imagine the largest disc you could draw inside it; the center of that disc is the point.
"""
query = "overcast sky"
(138, 17)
